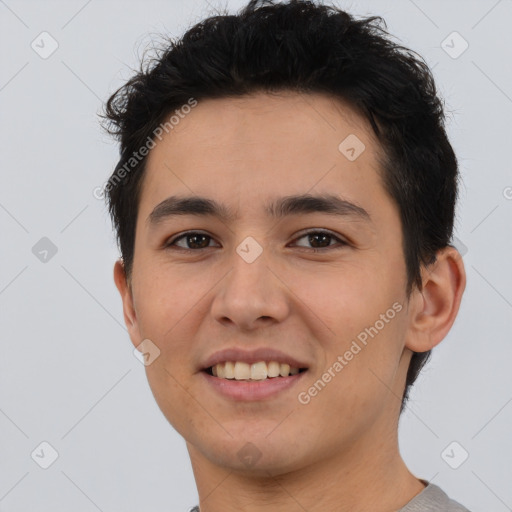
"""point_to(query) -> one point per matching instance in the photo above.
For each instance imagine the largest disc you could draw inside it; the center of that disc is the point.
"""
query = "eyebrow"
(277, 209)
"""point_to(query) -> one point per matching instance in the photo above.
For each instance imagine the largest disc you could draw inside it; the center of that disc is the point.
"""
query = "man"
(284, 206)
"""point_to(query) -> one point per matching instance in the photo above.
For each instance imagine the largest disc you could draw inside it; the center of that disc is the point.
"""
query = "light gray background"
(68, 373)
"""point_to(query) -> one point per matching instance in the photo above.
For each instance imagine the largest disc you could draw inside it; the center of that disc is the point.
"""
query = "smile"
(261, 370)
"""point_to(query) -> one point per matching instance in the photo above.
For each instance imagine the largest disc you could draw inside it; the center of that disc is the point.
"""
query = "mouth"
(258, 371)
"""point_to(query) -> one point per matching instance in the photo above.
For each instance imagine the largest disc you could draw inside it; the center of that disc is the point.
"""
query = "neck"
(356, 480)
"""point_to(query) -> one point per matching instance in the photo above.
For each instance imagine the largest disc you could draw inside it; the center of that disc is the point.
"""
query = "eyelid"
(322, 231)
(169, 242)
(341, 241)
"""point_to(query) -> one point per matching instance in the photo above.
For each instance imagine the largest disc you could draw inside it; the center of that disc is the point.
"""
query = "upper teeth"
(256, 371)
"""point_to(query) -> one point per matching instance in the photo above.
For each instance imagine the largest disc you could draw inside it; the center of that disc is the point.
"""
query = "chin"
(257, 456)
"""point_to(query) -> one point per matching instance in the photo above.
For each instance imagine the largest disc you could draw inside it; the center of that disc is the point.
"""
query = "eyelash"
(170, 243)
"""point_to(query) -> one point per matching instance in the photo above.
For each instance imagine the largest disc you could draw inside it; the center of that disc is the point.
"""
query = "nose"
(251, 295)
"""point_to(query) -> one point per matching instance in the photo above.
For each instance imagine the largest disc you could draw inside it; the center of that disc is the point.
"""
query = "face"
(319, 286)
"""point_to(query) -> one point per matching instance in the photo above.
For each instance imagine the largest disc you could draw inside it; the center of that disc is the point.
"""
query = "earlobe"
(125, 291)
(435, 307)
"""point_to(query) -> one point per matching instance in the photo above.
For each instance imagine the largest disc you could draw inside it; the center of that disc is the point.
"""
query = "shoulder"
(433, 499)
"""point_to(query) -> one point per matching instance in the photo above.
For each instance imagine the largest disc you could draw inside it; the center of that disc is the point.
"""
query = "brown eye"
(193, 241)
(321, 240)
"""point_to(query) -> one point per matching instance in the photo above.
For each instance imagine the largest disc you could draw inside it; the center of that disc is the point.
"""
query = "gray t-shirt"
(431, 499)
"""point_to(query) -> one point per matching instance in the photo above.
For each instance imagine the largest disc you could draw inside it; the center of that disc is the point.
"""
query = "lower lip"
(252, 390)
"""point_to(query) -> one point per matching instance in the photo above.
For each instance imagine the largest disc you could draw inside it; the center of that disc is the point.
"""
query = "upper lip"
(252, 356)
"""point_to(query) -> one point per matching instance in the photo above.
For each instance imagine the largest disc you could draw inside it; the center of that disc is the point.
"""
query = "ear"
(130, 316)
(433, 310)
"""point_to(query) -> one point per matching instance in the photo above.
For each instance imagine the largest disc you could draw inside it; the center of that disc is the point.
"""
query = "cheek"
(362, 313)
(177, 404)
(163, 299)
(346, 298)
(364, 385)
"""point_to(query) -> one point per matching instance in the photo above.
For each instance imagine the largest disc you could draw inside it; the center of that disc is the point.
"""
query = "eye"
(321, 237)
(193, 240)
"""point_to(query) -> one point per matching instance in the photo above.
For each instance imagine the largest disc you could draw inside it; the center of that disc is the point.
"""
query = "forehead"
(281, 143)
(319, 119)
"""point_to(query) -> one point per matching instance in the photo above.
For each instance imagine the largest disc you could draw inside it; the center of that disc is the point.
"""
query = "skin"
(340, 451)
